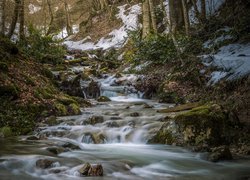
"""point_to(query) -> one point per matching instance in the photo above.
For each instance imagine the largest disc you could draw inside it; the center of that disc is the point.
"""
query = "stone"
(96, 170)
(103, 99)
(56, 150)
(44, 163)
(115, 118)
(84, 170)
(32, 138)
(91, 170)
(70, 146)
(220, 153)
(94, 120)
(134, 114)
(111, 124)
(147, 106)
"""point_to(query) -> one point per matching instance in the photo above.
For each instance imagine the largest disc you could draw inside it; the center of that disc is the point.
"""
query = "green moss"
(66, 100)
(201, 125)
(74, 109)
(6, 132)
(61, 110)
(47, 73)
(51, 121)
(163, 136)
(103, 99)
(44, 93)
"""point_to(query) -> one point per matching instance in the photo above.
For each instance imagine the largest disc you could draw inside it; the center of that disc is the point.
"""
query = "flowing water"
(116, 138)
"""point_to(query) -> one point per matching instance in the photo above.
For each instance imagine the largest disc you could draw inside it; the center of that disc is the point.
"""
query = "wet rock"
(96, 170)
(111, 124)
(57, 170)
(115, 118)
(84, 170)
(103, 99)
(32, 138)
(93, 138)
(94, 120)
(70, 146)
(91, 89)
(147, 106)
(72, 86)
(56, 150)
(44, 163)
(220, 153)
(134, 114)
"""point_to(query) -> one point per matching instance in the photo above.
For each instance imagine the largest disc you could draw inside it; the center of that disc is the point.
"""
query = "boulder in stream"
(91, 170)
(220, 153)
(94, 120)
(44, 163)
(56, 150)
(103, 99)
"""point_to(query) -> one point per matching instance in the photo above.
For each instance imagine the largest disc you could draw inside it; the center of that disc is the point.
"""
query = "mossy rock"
(103, 99)
(6, 132)
(202, 125)
(51, 121)
(74, 109)
(44, 93)
(66, 100)
(163, 136)
(61, 109)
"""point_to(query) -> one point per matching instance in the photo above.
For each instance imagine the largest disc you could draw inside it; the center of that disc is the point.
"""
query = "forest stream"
(113, 134)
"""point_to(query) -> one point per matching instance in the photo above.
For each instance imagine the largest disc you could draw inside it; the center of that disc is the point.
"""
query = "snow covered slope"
(117, 37)
(233, 61)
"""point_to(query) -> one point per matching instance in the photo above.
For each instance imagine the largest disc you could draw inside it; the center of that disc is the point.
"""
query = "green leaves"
(43, 48)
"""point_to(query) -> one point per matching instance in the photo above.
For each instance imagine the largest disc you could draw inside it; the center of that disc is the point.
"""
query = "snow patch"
(117, 37)
(233, 59)
(64, 34)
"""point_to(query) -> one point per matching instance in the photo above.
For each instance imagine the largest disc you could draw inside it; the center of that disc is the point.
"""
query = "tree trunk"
(2, 17)
(153, 16)
(186, 16)
(51, 17)
(146, 19)
(14, 18)
(68, 21)
(203, 10)
(21, 19)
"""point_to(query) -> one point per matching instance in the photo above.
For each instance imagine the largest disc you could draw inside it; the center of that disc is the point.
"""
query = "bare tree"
(14, 18)
(153, 16)
(146, 19)
(68, 20)
(2, 17)
(203, 10)
(21, 20)
(51, 17)
(186, 16)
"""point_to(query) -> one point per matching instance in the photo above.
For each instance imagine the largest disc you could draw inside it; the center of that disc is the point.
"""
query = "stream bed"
(113, 134)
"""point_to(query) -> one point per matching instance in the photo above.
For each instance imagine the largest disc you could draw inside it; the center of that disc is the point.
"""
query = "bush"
(158, 49)
(43, 48)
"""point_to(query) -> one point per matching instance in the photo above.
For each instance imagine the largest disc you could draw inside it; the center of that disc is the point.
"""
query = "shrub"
(43, 48)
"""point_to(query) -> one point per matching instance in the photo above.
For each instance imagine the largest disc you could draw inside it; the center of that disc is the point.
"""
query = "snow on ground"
(117, 37)
(63, 34)
(224, 36)
(233, 60)
(33, 9)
